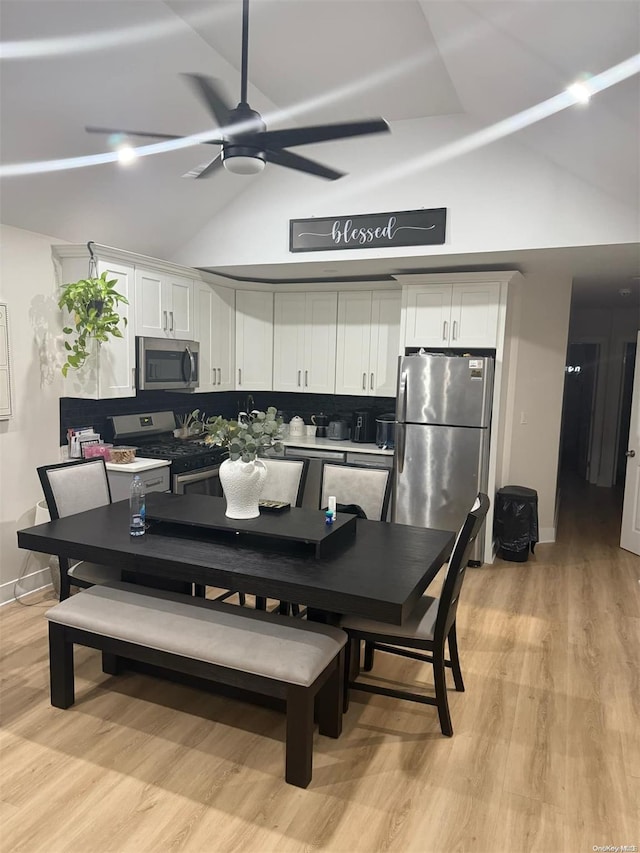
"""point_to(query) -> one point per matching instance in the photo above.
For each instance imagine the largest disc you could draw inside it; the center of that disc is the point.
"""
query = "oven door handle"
(205, 474)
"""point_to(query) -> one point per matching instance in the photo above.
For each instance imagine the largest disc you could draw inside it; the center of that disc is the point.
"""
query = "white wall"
(612, 328)
(531, 457)
(499, 197)
(30, 437)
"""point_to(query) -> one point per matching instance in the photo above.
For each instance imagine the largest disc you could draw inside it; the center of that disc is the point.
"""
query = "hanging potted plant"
(92, 305)
(242, 475)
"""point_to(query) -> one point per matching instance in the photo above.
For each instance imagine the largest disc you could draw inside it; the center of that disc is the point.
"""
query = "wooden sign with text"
(372, 230)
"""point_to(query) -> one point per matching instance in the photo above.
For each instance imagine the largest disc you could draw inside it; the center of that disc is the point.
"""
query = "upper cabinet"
(254, 340)
(304, 345)
(164, 305)
(215, 330)
(5, 377)
(110, 370)
(368, 342)
(460, 314)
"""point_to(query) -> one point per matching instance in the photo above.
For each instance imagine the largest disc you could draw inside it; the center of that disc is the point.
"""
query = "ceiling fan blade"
(210, 92)
(287, 138)
(302, 164)
(149, 134)
(204, 170)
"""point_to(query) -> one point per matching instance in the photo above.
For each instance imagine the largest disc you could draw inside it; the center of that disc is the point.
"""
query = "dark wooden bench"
(300, 662)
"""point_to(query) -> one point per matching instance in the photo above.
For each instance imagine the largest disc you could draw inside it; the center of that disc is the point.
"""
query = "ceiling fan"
(246, 144)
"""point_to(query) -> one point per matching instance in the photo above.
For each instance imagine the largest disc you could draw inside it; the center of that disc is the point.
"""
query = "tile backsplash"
(76, 412)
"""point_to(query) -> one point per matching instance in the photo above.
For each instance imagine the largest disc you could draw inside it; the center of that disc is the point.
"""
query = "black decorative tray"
(206, 514)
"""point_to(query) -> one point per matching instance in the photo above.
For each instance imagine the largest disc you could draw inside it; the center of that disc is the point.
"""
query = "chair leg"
(60, 667)
(65, 581)
(199, 590)
(283, 608)
(442, 702)
(111, 664)
(455, 660)
(299, 748)
(369, 651)
(329, 701)
(261, 602)
(346, 675)
(242, 598)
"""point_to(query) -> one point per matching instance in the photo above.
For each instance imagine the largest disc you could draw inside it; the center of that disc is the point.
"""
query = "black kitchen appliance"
(321, 423)
(338, 430)
(363, 427)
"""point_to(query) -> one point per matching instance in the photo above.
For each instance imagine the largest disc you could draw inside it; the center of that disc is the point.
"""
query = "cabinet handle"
(133, 378)
(219, 376)
(164, 325)
(455, 329)
(213, 380)
(306, 379)
(371, 385)
(364, 381)
(239, 376)
(299, 377)
(171, 315)
(445, 326)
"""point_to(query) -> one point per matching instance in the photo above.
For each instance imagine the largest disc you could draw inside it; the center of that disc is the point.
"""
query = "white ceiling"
(118, 63)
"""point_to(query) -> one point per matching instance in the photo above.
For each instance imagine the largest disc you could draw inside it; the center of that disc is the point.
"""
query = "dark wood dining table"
(379, 573)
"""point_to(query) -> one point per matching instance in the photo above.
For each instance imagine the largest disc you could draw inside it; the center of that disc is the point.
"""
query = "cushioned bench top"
(266, 644)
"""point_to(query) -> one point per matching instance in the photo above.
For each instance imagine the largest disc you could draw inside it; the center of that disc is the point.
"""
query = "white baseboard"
(24, 585)
(547, 535)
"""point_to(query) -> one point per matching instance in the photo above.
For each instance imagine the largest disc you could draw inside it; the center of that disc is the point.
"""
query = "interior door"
(630, 531)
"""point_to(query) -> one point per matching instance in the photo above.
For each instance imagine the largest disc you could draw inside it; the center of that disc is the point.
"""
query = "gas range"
(152, 434)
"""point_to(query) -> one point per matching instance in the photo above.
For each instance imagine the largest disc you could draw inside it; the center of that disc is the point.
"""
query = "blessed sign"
(375, 230)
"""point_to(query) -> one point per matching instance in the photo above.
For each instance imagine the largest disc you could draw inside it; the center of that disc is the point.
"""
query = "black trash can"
(516, 522)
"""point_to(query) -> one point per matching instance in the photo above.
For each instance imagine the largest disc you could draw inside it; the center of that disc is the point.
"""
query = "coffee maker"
(321, 423)
(363, 428)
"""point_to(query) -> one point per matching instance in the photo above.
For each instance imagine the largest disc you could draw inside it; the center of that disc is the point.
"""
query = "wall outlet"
(523, 417)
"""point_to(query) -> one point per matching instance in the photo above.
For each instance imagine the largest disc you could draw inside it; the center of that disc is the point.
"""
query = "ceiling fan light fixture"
(243, 164)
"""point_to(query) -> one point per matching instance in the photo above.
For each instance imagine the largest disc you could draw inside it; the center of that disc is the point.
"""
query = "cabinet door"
(152, 315)
(385, 342)
(254, 340)
(353, 341)
(288, 341)
(319, 375)
(117, 357)
(178, 301)
(204, 310)
(474, 315)
(428, 315)
(223, 338)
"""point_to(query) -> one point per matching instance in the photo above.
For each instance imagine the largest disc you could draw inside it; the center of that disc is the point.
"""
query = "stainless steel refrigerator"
(443, 419)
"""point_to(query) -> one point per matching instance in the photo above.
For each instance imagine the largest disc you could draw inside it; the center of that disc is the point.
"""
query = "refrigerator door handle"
(400, 445)
(402, 397)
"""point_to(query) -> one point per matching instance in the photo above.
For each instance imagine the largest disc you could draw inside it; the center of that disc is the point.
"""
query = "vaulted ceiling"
(118, 63)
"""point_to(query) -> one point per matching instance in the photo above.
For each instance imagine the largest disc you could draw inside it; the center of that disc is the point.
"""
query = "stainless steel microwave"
(167, 365)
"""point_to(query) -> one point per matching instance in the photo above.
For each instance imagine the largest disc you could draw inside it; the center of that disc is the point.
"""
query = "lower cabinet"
(155, 479)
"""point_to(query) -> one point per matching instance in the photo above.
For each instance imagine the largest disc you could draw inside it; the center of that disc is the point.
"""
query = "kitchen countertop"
(139, 464)
(313, 443)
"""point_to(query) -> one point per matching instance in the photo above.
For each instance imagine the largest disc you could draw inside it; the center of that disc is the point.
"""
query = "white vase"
(242, 484)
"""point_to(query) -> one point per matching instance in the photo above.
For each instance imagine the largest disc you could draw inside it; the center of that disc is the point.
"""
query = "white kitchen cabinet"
(110, 370)
(368, 342)
(164, 305)
(452, 315)
(304, 346)
(254, 340)
(5, 366)
(215, 330)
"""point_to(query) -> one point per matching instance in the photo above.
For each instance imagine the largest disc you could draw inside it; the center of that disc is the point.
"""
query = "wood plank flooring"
(545, 756)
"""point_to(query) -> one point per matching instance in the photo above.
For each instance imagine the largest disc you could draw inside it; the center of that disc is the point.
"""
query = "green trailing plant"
(247, 437)
(92, 305)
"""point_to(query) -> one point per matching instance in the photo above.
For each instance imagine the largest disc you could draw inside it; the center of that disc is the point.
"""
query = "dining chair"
(69, 488)
(428, 627)
(285, 482)
(366, 486)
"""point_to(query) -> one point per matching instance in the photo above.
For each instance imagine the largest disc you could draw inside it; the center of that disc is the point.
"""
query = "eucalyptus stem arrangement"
(246, 437)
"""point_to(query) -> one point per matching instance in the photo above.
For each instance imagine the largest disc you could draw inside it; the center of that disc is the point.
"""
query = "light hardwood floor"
(545, 756)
